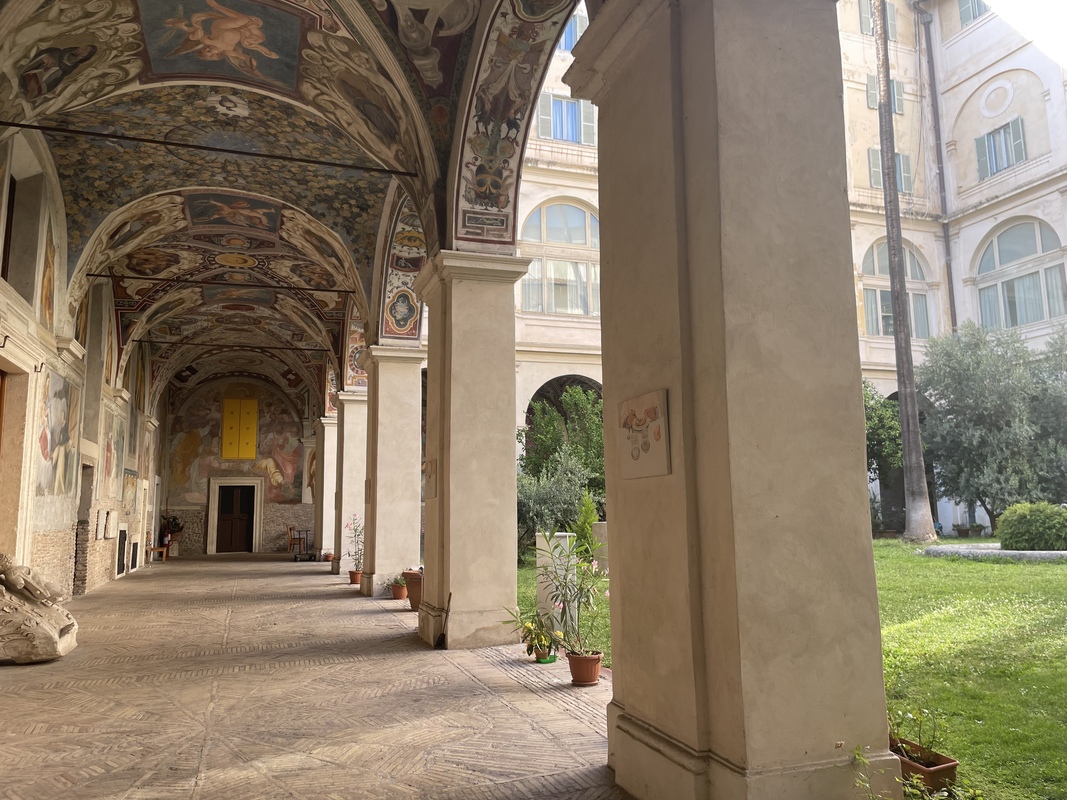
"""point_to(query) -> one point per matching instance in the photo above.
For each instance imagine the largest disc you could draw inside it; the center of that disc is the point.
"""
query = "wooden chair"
(294, 540)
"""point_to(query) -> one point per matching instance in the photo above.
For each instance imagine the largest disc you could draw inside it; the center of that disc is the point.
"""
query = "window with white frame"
(877, 300)
(1021, 277)
(970, 10)
(564, 274)
(867, 19)
(566, 119)
(905, 182)
(1005, 147)
(574, 29)
(896, 91)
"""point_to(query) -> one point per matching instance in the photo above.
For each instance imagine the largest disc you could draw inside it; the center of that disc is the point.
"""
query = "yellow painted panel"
(249, 428)
(231, 421)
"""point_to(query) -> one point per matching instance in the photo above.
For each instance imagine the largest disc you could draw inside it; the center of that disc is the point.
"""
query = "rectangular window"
(240, 424)
(896, 91)
(989, 301)
(878, 313)
(905, 183)
(1005, 147)
(594, 289)
(1056, 291)
(867, 19)
(533, 288)
(567, 287)
(1022, 300)
(870, 312)
(566, 120)
(920, 316)
(970, 10)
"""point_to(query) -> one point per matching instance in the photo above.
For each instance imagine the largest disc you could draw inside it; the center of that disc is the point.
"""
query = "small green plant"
(573, 577)
(354, 541)
(399, 581)
(582, 527)
(920, 726)
(534, 629)
(1033, 526)
(911, 789)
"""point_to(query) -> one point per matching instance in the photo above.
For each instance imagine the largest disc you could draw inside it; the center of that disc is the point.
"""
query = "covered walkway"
(253, 677)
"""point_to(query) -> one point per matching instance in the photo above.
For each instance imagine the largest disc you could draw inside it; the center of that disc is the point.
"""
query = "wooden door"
(236, 516)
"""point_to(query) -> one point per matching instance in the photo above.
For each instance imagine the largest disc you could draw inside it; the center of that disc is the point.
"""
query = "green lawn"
(983, 644)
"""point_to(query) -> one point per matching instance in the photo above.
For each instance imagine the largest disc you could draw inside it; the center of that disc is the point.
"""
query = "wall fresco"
(195, 445)
(58, 434)
(401, 310)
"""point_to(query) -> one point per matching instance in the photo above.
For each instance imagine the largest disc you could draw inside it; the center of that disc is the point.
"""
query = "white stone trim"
(260, 486)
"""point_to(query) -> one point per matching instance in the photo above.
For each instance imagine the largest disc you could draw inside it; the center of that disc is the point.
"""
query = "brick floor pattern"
(249, 677)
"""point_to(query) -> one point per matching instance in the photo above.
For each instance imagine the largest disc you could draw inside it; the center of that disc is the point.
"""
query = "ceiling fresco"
(228, 165)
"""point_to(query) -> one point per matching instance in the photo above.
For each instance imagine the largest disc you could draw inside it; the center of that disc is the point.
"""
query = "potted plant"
(573, 578)
(399, 588)
(537, 632)
(977, 529)
(354, 542)
(327, 555)
(413, 580)
(919, 754)
(962, 531)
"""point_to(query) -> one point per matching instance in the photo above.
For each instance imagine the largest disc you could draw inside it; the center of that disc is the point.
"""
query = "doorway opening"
(235, 514)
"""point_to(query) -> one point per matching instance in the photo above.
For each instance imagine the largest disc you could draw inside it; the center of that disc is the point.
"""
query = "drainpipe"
(927, 19)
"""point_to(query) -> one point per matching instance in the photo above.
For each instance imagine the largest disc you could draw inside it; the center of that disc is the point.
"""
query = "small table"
(163, 549)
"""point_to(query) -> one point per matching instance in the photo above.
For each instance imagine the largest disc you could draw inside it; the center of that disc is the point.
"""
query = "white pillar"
(745, 630)
(307, 491)
(470, 549)
(394, 462)
(351, 468)
(325, 480)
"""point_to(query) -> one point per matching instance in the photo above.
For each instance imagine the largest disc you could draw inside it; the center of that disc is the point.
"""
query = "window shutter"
(874, 167)
(1018, 145)
(544, 116)
(981, 146)
(249, 429)
(871, 312)
(891, 21)
(904, 166)
(898, 97)
(582, 22)
(866, 24)
(588, 123)
(966, 13)
(872, 91)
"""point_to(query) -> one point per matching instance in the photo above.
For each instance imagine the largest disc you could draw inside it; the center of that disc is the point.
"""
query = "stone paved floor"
(249, 677)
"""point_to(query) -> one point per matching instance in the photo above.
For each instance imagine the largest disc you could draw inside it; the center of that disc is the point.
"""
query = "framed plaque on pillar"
(643, 436)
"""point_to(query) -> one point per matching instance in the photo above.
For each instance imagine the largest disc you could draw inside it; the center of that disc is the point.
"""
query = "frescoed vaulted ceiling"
(228, 166)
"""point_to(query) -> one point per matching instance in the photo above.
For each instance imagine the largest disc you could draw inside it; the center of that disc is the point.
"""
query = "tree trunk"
(918, 521)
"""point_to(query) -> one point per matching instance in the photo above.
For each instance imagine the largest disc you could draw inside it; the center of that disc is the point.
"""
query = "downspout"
(926, 18)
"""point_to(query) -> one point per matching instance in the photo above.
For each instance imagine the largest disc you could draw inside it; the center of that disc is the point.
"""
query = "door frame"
(258, 485)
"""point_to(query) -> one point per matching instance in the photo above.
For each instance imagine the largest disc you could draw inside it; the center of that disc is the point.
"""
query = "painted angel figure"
(222, 34)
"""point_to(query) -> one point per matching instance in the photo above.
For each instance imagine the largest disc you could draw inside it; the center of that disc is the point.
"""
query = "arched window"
(1019, 281)
(564, 274)
(877, 301)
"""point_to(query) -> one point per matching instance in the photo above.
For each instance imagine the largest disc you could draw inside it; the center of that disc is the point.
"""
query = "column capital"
(377, 353)
(450, 265)
(328, 422)
(609, 43)
(352, 397)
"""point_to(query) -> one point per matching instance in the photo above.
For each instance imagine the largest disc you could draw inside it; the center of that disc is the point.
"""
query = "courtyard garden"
(981, 644)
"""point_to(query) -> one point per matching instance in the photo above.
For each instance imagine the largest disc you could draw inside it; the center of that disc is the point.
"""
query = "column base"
(431, 622)
(470, 629)
(369, 585)
(651, 764)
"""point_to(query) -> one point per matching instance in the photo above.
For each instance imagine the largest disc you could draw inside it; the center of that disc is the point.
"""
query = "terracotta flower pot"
(936, 770)
(585, 670)
(355, 576)
(413, 578)
(399, 592)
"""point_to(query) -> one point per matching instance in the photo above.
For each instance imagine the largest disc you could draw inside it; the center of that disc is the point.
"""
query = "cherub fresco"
(237, 211)
(222, 34)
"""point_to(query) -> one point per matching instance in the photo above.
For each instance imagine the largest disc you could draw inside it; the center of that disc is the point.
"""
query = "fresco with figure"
(195, 445)
(58, 434)
(401, 309)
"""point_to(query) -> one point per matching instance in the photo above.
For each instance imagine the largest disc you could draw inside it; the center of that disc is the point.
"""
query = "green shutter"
(966, 13)
(866, 24)
(872, 91)
(898, 97)
(544, 116)
(581, 23)
(588, 123)
(981, 146)
(904, 170)
(1018, 145)
(874, 167)
(891, 21)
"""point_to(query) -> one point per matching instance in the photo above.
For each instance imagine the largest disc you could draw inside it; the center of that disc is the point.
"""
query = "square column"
(470, 548)
(351, 470)
(325, 480)
(394, 463)
(745, 632)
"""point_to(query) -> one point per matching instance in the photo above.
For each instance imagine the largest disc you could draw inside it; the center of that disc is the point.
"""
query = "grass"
(983, 644)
